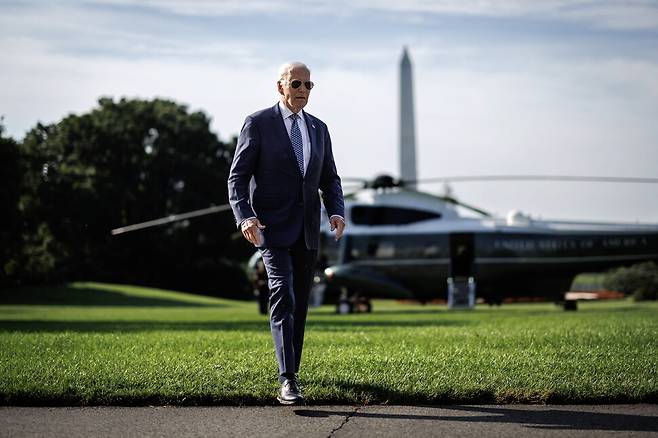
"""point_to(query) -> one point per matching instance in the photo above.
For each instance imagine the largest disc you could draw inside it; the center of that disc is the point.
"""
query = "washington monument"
(407, 128)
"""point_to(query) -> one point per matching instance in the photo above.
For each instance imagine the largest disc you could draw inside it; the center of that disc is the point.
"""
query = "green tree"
(129, 161)
(640, 280)
(10, 219)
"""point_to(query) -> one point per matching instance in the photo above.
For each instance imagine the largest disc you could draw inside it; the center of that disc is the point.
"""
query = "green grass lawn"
(91, 344)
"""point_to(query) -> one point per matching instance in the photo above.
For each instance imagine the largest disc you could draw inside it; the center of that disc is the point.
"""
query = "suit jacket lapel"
(312, 135)
(284, 138)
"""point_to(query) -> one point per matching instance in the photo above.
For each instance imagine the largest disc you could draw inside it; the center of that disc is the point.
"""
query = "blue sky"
(502, 87)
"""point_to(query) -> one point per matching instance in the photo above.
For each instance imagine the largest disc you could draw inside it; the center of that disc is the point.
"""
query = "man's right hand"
(251, 230)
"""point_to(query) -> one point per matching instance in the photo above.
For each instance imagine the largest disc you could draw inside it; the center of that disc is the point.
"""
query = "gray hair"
(285, 69)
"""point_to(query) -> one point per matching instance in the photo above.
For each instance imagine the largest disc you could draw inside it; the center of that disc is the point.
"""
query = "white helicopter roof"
(451, 217)
(401, 197)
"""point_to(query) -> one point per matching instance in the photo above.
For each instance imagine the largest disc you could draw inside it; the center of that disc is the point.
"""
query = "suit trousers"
(290, 274)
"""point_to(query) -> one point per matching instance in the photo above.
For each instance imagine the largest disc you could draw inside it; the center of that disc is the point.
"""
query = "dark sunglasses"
(297, 83)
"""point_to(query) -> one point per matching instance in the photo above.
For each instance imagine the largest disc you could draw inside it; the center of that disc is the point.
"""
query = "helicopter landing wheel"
(363, 305)
(570, 305)
(344, 307)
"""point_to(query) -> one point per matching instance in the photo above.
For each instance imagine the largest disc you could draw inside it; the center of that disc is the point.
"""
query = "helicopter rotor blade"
(573, 178)
(352, 179)
(570, 178)
(360, 183)
(452, 200)
(171, 218)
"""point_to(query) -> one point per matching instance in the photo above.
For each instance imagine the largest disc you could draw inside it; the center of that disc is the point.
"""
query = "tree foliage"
(124, 162)
(10, 191)
(640, 280)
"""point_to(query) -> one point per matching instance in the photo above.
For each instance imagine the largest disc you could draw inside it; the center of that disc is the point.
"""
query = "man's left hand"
(338, 225)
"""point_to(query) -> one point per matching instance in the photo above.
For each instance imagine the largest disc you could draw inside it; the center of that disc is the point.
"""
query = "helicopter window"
(431, 251)
(329, 249)
(372, 248)
(380, 249)
(362, 215)
(385, 250)
(403, 247)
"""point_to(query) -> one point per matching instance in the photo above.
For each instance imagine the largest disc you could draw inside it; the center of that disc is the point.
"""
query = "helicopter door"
(461, 283)
(462, 255)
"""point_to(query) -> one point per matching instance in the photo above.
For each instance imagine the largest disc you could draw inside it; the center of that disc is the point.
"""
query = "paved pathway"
(332, 421)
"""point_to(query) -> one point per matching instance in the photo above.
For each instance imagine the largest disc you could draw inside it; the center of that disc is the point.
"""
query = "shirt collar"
(285, 111)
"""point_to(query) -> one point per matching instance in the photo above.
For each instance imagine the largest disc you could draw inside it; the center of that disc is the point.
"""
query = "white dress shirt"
(286, 113)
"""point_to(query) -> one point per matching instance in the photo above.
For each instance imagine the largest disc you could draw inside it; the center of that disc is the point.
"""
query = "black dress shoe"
(290, 393)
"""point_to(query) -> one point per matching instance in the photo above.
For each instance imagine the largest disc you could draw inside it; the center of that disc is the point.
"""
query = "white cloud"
(637, 15)
(559, 117)
(611, 14)
(517, 108)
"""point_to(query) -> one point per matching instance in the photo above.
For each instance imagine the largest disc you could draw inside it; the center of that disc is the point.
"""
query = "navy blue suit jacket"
(265, 180)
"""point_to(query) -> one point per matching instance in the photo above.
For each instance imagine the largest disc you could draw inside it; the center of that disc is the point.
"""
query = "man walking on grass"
(282, 159)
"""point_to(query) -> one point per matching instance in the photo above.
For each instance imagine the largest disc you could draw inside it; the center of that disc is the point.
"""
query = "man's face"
(295, 98)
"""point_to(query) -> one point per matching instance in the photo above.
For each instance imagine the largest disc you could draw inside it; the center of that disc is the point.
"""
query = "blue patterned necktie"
(297, 145)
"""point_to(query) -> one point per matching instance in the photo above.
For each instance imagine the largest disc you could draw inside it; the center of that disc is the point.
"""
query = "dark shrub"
(640, 280)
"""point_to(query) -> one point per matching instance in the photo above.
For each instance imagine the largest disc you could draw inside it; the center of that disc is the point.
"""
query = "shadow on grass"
(71, 398)
(402, 311)
(539, 418)
(373, 393)
(19, 325)
(87, 296)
